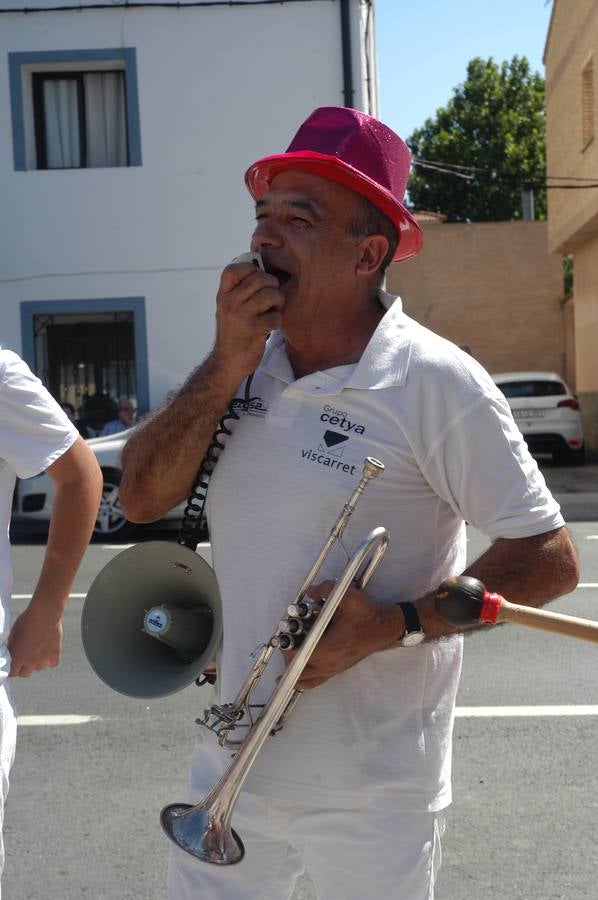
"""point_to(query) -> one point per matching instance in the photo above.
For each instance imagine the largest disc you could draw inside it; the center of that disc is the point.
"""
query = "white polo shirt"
(379, 733)
(34, 433)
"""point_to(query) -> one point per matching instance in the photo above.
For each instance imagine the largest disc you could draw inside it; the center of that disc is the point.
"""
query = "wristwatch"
(414, 634)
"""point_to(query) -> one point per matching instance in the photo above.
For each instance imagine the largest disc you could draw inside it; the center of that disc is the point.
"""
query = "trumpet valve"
(285, 640)
(291, 626)
(289, 634)
(304, 609)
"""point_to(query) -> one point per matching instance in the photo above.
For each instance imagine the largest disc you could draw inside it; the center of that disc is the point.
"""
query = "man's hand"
(248, 308)
(359, 627)
(34, 642)
(161, 457)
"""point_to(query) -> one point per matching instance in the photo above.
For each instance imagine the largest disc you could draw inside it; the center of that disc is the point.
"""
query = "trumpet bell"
(202, 833)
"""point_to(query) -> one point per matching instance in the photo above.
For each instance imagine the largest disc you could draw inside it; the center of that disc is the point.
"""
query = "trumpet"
(204, 830)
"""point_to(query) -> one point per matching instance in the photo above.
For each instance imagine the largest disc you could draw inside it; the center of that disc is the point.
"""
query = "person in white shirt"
(36, 436)
(354, 787)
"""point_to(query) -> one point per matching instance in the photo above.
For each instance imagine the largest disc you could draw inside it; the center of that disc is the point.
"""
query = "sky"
(423, 47)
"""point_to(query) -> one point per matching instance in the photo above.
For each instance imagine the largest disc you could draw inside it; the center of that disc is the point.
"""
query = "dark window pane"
(532, 388)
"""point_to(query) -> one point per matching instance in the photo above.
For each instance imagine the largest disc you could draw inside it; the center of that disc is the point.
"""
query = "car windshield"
(535, 388)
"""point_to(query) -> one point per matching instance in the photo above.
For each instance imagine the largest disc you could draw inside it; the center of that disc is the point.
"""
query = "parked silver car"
(34, 496)
(547, 413)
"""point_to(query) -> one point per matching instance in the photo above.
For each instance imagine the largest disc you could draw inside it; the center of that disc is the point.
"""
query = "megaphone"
(152, 620)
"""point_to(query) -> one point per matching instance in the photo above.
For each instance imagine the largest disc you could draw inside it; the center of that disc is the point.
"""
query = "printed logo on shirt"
(256, 407)
(340, 419)
(333, 440)
(331, 460)
(331, 448)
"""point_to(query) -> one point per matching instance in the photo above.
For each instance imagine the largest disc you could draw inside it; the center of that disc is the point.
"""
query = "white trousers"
(350, 854)
(8, 739)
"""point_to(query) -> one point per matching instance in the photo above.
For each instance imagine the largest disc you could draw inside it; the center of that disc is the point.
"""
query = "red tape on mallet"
(464, 600)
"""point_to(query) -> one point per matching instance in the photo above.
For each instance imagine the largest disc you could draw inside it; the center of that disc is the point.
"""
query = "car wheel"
(577, 457)
(111, 521)
(570, 457)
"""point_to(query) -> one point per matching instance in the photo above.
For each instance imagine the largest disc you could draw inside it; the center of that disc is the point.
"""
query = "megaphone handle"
(208, 676)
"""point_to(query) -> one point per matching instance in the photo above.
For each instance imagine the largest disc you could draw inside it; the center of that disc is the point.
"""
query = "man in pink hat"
(322, 369)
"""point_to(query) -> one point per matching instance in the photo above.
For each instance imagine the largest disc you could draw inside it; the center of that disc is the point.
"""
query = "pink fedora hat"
(357, 151)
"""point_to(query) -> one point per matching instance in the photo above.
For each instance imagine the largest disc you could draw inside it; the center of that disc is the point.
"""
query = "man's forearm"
(35, 637)
(161, 458)
(73, 515)
(528, 571)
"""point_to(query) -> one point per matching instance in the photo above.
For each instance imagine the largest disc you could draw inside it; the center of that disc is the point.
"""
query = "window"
(587, 105)
(532, 388)
(75, 109)
(85, 353)
(86, 348)
(79, 120)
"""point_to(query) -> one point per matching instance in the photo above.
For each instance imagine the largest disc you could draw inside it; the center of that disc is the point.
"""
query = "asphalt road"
(82, 816)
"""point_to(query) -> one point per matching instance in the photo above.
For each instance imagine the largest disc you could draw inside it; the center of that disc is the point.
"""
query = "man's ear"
(372, 251)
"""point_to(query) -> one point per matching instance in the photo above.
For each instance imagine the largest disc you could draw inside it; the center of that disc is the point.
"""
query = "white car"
(547, 413)
(34, 496)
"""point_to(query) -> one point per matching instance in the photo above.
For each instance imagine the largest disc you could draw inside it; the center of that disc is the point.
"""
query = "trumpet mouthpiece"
(372, 467)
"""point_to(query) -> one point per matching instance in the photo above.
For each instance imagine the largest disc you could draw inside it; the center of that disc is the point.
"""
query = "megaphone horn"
(152, 619)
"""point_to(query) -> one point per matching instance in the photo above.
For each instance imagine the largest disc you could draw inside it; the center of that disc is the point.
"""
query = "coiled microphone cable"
(193, 526)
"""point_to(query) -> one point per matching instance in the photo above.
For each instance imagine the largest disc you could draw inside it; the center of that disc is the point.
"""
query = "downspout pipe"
(348, 89)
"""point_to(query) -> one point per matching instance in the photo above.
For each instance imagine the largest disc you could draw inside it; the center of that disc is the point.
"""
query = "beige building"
(571, 60)
(490, 286)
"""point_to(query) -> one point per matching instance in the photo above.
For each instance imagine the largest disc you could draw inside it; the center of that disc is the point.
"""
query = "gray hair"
(368, 219)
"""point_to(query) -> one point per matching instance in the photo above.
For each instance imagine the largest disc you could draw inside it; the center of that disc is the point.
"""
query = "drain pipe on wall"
(348, 89)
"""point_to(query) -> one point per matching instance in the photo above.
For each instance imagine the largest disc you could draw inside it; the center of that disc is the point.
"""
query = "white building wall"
(218, 87)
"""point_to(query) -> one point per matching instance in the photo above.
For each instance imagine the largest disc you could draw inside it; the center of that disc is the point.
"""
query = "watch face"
(412, 639)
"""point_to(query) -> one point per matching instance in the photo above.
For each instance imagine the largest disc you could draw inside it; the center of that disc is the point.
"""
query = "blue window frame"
(33, 73)
(34, 312)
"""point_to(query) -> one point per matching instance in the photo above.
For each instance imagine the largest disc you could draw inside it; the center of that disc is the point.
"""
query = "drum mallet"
(462, 600)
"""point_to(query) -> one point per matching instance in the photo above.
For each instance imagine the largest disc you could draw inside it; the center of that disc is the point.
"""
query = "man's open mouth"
(282, 275)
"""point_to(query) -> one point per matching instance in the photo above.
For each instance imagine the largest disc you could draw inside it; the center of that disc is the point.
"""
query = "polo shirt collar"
(383, 364)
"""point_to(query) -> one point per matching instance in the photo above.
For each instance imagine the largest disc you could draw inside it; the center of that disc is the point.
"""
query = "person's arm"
(36, 636)
(161, 458)
(529, 571)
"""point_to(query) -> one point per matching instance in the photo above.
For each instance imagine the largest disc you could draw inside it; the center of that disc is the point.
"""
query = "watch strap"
(414, 633)
(412, 622)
